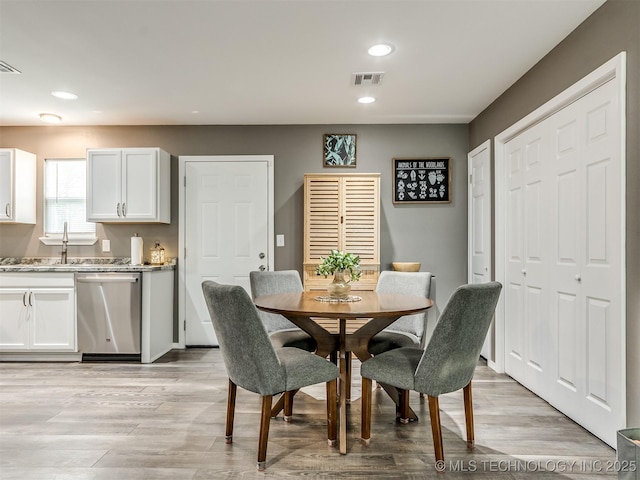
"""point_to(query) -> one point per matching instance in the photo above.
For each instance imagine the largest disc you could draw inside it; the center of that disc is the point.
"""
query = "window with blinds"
(65, 191)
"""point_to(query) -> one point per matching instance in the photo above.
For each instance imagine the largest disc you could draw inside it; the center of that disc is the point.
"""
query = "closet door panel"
(566, 316)
(535, 254)
(514, 252)
(602, 278)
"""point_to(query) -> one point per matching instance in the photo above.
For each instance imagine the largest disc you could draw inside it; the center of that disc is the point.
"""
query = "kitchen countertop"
(101, 264)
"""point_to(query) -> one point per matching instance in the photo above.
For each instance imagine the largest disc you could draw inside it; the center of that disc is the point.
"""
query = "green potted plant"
(338, 264)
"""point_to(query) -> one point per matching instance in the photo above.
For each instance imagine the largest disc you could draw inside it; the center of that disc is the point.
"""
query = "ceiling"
(239, 62)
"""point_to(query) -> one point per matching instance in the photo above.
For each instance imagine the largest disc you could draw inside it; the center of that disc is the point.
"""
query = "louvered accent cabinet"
(342, 212)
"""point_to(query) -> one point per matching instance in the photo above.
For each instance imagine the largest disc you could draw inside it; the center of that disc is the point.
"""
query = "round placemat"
(329, 299)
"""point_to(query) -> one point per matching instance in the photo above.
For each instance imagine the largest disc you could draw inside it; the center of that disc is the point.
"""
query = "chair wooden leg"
(436, 429)
(288, 406)
(332, 413)
(265, 419)
(231, 409)
(348, 364)
(404, 406)
(468, 415)
(365, 412)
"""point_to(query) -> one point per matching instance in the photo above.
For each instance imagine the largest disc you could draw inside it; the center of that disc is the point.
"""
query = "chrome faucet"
(65, 241)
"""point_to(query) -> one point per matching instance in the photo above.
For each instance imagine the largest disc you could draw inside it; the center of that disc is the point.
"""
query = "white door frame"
(613, 70)
(485, 146)
(182, 163)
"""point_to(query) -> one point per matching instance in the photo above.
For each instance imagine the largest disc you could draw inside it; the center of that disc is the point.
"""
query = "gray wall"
(613, 28)
(435, 235)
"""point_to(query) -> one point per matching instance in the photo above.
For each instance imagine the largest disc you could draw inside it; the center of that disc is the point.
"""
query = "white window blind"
(65, 191)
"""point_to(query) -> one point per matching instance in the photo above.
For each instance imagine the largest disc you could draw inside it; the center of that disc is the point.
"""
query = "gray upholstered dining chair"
(410, 330)
(253, 363)
(447, 363)
(281, 331)
(407, 331)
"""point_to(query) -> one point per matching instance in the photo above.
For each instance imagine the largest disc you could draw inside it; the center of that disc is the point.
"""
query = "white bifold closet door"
(564, 322)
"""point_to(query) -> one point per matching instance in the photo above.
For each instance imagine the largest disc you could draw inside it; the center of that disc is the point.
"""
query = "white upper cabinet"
(128, 185)
(17, 186)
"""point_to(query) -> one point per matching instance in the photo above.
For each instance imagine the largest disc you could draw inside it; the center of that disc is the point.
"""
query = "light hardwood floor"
(166, 421)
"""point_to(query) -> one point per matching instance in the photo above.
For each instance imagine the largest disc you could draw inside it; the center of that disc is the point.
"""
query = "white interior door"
(479, 211)
(228, 230)
(560, 231)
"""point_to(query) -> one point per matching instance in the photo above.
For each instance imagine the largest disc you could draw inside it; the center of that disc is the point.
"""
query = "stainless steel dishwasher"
(109, 315)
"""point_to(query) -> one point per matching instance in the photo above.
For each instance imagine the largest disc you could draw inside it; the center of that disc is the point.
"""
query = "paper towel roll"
(136, 250)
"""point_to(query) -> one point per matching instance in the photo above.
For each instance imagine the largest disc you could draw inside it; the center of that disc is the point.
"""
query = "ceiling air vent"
(6, 68)
(366, 78)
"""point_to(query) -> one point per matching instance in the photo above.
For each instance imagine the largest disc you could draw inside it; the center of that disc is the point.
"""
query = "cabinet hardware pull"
(30, 299)
(6, 210)
(261, 268)
(124, 209)
(118, 209)
(24, 299)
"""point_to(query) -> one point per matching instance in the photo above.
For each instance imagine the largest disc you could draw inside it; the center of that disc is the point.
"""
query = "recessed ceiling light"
(50, 118)
(64, 95)
(366, 100)
(380, 50)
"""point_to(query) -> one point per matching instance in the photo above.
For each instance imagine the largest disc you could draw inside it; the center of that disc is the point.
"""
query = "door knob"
(578, 278)
(261, 255)
(261, 268)
(524, 272)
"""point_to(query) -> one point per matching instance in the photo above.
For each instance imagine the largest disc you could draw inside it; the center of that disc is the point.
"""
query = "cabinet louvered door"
(342, 213)
(360, 214)
(322, 222)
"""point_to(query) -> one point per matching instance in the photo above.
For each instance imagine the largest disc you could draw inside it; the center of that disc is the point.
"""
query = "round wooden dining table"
(380, 310)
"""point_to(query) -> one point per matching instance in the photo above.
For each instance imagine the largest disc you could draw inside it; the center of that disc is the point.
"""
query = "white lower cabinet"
(37, 313)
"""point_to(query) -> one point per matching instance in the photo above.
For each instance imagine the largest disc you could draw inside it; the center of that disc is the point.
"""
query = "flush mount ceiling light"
(50, 118)
(366, 100)
(64, 95)
(380, 50)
